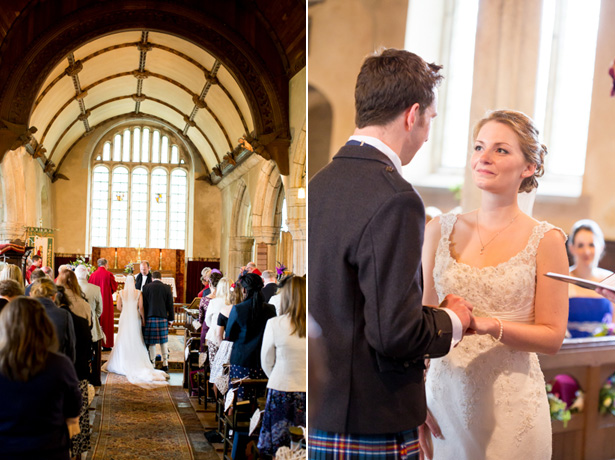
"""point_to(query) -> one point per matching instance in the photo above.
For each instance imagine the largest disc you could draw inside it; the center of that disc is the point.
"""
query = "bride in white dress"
(129, 356)
(487, 397)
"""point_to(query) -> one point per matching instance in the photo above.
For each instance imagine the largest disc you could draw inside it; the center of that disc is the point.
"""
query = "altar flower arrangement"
(81, 261)
(557, 407)
(130, 268)
(607, 396)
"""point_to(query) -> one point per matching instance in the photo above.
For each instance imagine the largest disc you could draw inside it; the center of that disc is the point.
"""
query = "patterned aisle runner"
(138, 423)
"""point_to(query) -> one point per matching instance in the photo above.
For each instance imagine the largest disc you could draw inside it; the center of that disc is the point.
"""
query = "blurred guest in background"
(588, 312)
(9, 289)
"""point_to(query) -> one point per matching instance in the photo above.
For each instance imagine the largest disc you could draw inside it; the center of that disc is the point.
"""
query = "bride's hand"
(426, 430)
(482, 325)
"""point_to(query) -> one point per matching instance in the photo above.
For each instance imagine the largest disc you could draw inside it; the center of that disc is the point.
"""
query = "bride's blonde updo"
(527, 134)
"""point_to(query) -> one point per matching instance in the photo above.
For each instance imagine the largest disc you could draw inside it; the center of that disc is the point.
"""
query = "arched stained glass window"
(119, 206)
(139, 190)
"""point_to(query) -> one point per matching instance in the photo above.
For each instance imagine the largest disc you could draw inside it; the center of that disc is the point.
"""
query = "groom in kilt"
(159, 315)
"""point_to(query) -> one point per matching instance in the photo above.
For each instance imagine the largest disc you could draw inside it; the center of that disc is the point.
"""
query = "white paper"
(607, 283)
(196, 325)
(230, 396)
(256, 418)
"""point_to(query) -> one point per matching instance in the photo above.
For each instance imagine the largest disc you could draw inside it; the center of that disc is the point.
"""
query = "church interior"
(550, 59)
(172, 132)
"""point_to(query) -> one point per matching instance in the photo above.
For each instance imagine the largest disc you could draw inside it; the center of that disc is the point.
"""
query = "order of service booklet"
(607, 283)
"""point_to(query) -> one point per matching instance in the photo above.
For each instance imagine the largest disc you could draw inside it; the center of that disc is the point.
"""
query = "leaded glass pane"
(100, 205)
(106, 151)
(145, 151)
(177, 210)
(138, 208)
(164, 150)
(119, 206)
(174, 155)
(156, 147)
(136, 147)
(158, 209)
(126, 147)
(117, 147)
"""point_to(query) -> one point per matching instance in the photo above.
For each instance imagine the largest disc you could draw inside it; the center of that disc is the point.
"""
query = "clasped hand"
(463, 309)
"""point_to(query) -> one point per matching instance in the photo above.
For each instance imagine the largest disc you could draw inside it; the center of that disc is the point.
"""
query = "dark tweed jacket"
(365, 233)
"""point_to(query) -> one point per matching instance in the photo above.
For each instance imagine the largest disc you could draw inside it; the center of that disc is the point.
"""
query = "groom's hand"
(461, 307)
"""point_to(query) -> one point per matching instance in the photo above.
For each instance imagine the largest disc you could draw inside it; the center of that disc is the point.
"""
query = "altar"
(121, 279)
(171, 263)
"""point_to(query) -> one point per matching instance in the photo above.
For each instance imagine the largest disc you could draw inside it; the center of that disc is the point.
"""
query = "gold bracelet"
(501, 330)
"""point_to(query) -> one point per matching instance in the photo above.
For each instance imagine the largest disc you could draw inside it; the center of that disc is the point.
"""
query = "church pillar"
(296, 223)
(266, 239)
(504, 68)
(13, 196)
(240, 253)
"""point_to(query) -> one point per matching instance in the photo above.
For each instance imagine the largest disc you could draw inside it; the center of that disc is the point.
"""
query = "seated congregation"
(252, 356)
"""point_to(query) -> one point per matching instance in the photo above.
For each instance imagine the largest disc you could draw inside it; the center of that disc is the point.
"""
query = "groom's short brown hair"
(389, 83)
(156, 275)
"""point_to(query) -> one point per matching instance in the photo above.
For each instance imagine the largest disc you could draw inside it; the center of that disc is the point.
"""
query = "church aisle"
(134, 423)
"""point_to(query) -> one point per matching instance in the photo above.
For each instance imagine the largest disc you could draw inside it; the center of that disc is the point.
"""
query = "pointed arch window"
(139, 192)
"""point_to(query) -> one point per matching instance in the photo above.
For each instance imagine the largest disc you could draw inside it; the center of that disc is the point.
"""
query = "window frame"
(185, 164)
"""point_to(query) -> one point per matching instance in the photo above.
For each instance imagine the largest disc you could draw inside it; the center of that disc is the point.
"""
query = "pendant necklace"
(483, 246)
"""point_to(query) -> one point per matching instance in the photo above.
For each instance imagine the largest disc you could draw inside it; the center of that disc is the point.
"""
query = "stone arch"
(320, 116)
(267, 214)
(241, 240)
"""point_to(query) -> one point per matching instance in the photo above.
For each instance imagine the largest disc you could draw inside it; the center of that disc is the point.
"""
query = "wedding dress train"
(129, 356)
(488, 399)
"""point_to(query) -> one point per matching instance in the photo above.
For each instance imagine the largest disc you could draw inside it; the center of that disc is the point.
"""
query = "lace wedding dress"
(129, 356)
(488, 399)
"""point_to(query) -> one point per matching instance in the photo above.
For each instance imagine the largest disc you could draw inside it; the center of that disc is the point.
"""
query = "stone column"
(504, 68)
(13, 196)
(297, 227)
(240, 253)
(266, 238)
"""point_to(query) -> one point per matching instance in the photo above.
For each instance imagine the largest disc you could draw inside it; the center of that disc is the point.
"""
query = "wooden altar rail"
(589, 435)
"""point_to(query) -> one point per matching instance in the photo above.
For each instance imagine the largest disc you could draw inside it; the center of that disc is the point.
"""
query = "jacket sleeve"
(397, 326)
(169, 302)
(72, 393)
(99, 302)
(268, 350)
(113, 282)
(232, 326)
(70, 338)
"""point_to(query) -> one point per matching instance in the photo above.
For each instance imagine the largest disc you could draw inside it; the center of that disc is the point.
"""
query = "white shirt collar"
(382, 147)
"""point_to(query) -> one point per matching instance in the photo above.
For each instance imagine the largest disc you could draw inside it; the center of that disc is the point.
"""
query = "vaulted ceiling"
(216, 72)
(142, 73)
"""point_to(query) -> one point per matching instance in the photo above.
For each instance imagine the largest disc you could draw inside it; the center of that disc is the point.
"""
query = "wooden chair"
(237, 418)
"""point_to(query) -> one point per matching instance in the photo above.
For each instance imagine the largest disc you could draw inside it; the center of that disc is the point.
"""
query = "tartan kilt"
(156, 331)
(323, 445)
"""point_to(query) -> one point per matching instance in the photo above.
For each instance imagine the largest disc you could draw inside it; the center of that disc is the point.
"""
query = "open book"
(607, 283)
